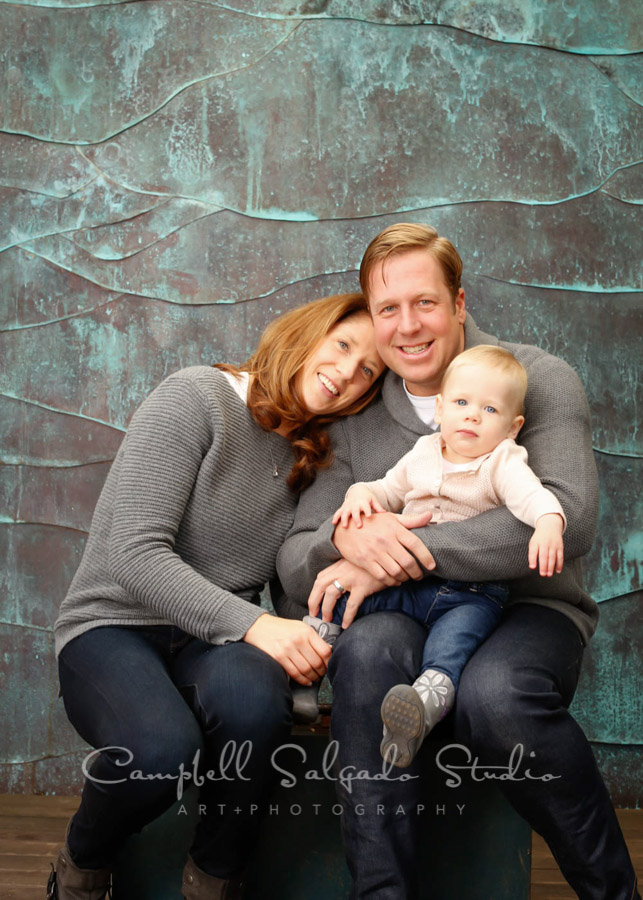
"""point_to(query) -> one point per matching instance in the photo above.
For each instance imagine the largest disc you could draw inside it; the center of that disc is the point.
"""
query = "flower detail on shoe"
(433, 689)
(437, 693)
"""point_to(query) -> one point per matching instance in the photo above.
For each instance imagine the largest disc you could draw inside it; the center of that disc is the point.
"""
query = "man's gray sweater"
(188, 525)
(491, 546)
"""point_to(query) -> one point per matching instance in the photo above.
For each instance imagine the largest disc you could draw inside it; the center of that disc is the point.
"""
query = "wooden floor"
(32, 829)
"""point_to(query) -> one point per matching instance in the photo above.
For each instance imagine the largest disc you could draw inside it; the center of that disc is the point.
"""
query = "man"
(518, 685)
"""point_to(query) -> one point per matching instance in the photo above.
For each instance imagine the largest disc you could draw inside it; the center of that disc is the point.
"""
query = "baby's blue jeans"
(458, 614)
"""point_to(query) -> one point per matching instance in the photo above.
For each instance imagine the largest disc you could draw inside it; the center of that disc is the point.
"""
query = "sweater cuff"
(549, 508)
(233, 620)
(326, 549)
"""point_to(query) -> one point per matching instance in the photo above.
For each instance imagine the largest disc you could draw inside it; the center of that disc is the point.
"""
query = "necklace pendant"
(275, 472)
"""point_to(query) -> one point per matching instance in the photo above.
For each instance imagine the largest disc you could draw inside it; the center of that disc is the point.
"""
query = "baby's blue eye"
(461, 402)
(491, 409)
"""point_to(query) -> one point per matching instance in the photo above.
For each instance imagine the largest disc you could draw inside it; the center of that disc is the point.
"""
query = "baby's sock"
(326, 630)
(305, 705)
(437, 694)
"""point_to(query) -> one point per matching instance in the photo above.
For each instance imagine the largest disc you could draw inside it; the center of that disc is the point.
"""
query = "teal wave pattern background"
(175, 174)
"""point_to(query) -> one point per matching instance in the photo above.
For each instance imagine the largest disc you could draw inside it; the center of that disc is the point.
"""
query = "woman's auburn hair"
(274, 398)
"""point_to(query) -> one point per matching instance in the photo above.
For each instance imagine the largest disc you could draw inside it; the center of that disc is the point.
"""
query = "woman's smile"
(342, 367)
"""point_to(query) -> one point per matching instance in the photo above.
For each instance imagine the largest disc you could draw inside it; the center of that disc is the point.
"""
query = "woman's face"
(341, 367)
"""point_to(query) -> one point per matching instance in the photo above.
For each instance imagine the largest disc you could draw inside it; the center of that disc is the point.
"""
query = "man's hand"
(295, 646)
(358, 583)
(546, 545)
(359, 501)
(385, 546)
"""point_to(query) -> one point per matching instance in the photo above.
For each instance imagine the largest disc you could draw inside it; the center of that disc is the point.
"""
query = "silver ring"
(342, 590)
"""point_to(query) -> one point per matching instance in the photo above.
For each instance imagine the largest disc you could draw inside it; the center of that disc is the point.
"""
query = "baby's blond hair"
(495, 358)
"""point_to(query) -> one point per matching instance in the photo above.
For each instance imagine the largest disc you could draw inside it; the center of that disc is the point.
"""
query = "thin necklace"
(275, 465)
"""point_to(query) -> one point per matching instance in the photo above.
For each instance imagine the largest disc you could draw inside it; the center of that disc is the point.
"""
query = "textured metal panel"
(598, 335)
(576, 25)
(53, 495)
(63, 770)
(620, 767)
(53, 170)
(226, 257)
(92, 72)
(320, 93)
(25, 682)
(175, 174)
(615, 564)
(580, 26)
(37, 565)
(608, 703)
(28, 215)
(39, 436)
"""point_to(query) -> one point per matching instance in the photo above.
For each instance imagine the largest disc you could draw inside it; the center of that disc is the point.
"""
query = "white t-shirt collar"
(423, 406)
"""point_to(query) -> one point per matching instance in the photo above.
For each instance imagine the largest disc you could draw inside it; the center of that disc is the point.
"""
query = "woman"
(163, 650)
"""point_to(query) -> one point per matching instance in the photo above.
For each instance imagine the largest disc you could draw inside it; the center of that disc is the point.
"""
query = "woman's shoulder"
(194, 390)
(212, 383)
(199, 375)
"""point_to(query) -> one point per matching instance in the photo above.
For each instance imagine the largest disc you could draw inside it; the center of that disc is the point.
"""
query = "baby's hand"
(359, 502)
(546, 545)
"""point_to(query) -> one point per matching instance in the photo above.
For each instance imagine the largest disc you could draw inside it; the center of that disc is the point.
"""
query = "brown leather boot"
(72, 883)
(198, 885)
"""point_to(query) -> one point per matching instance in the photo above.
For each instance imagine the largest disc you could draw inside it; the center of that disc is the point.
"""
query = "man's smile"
(415, 349)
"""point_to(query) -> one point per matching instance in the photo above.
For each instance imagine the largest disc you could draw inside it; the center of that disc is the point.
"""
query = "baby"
(472, 465)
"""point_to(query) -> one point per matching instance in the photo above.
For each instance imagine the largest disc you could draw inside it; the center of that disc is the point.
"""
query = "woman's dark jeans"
(164, 696)
(458, 614)
(515, 690)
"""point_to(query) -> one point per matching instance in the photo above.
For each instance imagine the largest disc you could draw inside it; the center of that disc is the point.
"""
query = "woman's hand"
(297, 647)
(358, 583)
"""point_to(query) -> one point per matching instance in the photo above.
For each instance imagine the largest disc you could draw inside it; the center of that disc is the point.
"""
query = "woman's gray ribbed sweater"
(190, 520)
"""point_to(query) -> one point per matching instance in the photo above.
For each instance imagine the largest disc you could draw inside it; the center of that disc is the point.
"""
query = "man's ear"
(438, 409)
(460, 309)
(516, 425)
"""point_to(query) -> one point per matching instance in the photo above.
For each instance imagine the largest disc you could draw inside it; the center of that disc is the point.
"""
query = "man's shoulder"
(530, 355)
(546, 373)
(535, 360)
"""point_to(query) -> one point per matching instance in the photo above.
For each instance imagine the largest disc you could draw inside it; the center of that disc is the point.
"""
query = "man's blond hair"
(404, 237)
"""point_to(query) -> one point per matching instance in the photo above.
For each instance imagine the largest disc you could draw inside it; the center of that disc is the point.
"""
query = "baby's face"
(476, 411)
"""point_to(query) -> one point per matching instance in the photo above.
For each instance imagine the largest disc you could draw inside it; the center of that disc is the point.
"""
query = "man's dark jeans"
(515, 690)
(163, 696)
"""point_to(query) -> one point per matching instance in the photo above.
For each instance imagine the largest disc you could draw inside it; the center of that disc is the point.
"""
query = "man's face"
(417, 330)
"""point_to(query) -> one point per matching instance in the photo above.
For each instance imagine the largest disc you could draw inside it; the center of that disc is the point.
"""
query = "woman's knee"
(156, 750)
(249, 699)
